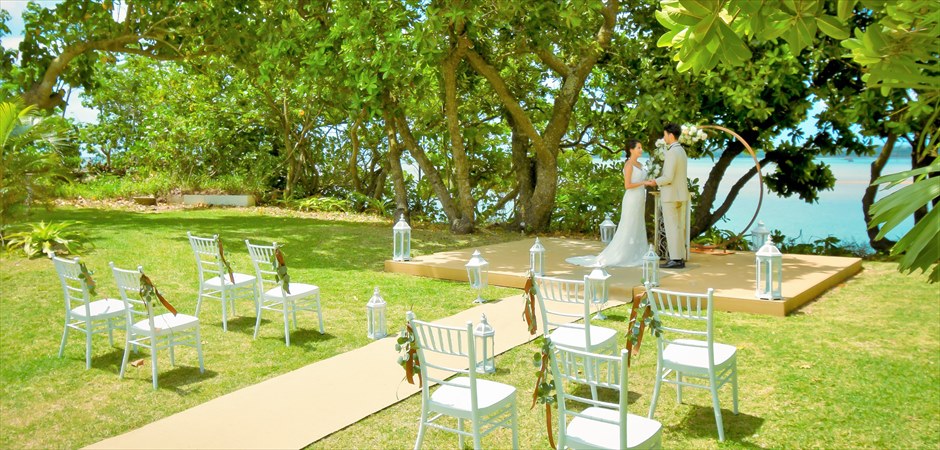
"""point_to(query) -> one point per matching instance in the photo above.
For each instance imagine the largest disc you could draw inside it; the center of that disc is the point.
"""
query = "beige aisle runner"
(281, 412)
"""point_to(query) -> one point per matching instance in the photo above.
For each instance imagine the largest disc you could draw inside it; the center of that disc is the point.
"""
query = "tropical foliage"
(49, 239)
(894, 43)
(472, 113)
(32, 157)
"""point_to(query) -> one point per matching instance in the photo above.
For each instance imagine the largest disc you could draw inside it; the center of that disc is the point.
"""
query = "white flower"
(701, 135)
(693, 131)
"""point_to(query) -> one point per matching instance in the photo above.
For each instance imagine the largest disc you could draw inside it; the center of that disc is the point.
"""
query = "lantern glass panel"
(375, 316)
(651, 268)
(401, 237)
(484, 337)
(537, 258)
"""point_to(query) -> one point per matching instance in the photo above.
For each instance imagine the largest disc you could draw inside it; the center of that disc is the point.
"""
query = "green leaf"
(668, 38)
(699, 8)
(844, 8)
(833, 27)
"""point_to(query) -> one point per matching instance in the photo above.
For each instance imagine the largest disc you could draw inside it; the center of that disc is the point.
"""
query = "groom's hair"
(673, 129)
(630, 144)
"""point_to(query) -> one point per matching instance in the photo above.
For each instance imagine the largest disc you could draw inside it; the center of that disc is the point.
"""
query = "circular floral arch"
(760, 178)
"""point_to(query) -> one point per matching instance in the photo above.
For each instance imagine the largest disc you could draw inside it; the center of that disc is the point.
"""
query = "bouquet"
(690, 136)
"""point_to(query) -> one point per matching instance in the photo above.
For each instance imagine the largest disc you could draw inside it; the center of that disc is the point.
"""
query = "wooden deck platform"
(732, 276)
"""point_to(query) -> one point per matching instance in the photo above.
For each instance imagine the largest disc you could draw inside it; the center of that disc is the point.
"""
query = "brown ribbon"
(145, 280)
(87, 279)
(281, 270)
(528, 313)
(280, 257)
(412, 359)
(231, 275)
(634, 312)
(543, 367)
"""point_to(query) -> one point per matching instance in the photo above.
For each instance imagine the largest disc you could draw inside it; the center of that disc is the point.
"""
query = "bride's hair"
(630, 145)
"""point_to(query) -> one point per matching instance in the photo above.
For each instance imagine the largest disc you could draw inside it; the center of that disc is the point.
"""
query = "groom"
(674, 189)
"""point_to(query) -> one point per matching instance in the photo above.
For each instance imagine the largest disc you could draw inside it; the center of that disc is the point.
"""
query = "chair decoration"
(544, 392)
(148, 291)
(638, 323)
(528, 313)
(408, 357)
(86, 278)
(228, 267)
(277, 261)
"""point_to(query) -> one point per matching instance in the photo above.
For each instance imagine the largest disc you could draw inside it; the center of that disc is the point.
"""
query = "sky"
(74, 109)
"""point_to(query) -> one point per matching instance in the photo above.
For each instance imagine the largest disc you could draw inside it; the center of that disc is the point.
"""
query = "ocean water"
(837, 213)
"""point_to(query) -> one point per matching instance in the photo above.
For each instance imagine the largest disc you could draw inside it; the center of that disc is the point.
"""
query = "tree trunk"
(353, 166)
(882, 245)
(398, 176)
(522, 167)
(431, 172)
(539, 214)
(465, 203)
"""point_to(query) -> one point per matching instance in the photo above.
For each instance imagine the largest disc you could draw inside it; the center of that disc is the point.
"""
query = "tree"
(61, 45)
(164, 117)
(897, 51)
(635, 90)
(568, 42)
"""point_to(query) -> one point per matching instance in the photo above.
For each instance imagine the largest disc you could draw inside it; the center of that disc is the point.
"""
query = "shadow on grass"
(700, 422)
(243, 324)
(106, 362)
(298, 338)
(309, 243)
(603, 394)
(182, 380)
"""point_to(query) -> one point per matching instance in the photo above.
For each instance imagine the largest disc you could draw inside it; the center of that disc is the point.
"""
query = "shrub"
(48, 238)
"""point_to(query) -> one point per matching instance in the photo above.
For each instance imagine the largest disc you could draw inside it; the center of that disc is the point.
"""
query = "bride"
(629, 242)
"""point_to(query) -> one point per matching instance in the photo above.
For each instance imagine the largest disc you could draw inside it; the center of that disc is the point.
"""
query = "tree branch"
(553, 62)
(733, 193)
(502, 91)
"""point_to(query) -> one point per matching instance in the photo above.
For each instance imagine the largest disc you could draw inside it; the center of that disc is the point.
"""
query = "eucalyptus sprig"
(280, 269)
(407, 347)
(86, 278)
(148, 292)
(544, 392)
(528, 312)
(228, 267)
(641, 317)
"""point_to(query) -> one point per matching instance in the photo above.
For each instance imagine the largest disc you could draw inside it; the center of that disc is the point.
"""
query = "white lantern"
(401, 235)
(607, 229)
(769, 272)
(537, 258)
(477, 271)
(759, 235)
(651, 268)
(485, 346)
(375, 312)
(596, 289)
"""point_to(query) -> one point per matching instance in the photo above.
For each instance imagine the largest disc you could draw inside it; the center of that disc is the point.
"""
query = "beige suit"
(674, 188)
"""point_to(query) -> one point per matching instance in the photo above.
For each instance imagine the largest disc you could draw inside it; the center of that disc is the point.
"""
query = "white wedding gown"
(629, 242)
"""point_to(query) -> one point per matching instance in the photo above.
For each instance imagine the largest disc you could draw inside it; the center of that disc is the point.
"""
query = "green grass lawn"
(49, 402)
(858, 368)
